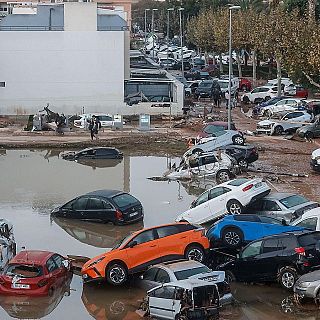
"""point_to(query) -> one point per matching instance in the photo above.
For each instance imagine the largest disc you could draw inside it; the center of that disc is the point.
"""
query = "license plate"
(258, 185)
(133, 214)
(20, 286)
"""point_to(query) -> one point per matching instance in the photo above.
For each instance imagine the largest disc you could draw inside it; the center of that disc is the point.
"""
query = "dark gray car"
(308, 285)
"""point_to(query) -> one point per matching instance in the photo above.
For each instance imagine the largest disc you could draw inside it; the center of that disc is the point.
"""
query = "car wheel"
(232, 237)
(116, 274)
(237, 139)
(245, 100)
(243, 163)
(287, 277)
(309, 135)
(197, 151)
(194, 252)
(244, 88)
(223, 176)
(234, 207)
(229, 276)
(267, 98)
(278, 130)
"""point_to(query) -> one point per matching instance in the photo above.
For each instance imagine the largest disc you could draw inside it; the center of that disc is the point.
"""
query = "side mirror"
(284, 222)
(133, 244)
(66, 264)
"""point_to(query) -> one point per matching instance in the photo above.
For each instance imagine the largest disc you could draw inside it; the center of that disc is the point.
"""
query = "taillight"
(248, 187)
(119, 215)
(42, 283)
(300, 251)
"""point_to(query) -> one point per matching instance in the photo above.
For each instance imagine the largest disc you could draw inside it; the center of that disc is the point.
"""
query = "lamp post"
(181, 38)
(230, 62)
(152, 27)
(168, 31)
(145, 29)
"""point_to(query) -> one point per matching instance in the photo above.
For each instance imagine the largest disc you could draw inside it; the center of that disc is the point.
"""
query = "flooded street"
(34, 182)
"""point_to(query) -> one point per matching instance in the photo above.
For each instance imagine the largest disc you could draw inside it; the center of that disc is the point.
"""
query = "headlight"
(304, 284)
(95, 262)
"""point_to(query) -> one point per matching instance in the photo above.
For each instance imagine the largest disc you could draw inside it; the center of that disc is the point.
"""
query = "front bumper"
(305, 292)
(264, 130)
(315, 165)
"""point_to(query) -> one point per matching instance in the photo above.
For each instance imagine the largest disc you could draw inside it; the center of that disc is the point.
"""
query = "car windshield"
(293, 201)
(24, 271)
(124, 200)
(205, 84)
(122, 241)
(185, 274)
(210, 128)
(238, 182)
(223, 84)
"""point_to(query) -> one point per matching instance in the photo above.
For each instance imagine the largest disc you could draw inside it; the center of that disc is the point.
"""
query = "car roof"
(279, 195)
(190, 284)
(105, 193)
(32, 257)
(311, 212)
(290, 233)
(180, 265)
(97, 148)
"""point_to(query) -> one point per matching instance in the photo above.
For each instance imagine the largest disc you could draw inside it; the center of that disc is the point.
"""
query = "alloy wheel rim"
(288, 279)
(243, 163)
(238, 140)
(235, 208)
(117, 275)
(224, 176)
(195, 254)
(232, 238)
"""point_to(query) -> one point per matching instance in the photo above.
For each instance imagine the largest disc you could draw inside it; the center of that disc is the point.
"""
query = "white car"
(224, 85)
(284, 81)
(315, 160)
(279, 123)
(232, 196)
(259, 94)
(310, 220)
(290, 104)
(106, 120)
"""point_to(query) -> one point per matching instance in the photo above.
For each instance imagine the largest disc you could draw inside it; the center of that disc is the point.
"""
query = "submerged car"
(113, 206)
(278, 258)
(235, 231)
(187, 299)
(232, 196)
(182, 270)
(34, 273)
(95, 153)
(282, 205)
(315, 160)
(146, 247)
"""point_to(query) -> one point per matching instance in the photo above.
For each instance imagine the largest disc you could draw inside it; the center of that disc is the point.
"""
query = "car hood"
(312, 276)
(266, 122)
(214, 276)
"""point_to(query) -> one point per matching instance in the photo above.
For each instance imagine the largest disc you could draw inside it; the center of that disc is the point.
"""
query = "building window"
(2, 84)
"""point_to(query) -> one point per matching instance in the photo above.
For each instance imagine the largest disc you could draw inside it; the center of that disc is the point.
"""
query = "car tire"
(197, 151)
(234, 207)
(116, 274)
(243, 163)
(223, 176)
(232, 237)
(267, 98)
(194, 252)
(278, 130)
(229, 276)
(309, 135)
(287, 276)
(245, 99)
(238, 140)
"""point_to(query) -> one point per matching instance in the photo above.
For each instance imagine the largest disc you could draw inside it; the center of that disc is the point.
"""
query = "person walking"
(94, 127)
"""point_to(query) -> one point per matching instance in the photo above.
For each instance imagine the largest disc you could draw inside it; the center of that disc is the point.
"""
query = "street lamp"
(152, 27)
(168, 31)
(181, 38)
(230, 62)
(145, 29)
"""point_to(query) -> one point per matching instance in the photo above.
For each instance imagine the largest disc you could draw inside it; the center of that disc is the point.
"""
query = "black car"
(93, 153)
(206, 89)
(243, 154)
(113, 206)
(278, 258)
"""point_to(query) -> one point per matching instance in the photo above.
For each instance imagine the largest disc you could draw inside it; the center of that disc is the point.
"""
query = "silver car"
(182, 270)
(287, 206)
(308, 285)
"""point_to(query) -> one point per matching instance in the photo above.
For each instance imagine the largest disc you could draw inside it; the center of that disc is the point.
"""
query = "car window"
(270, 206)
(167, 231)
(162, 276)
(208, 160)
(124, 199)
(216, 192)
(310, 223)
(294, 200)
(270, 220)
(51, 265)
(150, 274)
(255, 90)
(270, 245)
(164, 292)
(309, 239)
(58, 260)
(185, 274)
(95, 204)
(203, 198)
(24, 271)
(252, 250)
(287, 243)
(80, 203)
(144, 236)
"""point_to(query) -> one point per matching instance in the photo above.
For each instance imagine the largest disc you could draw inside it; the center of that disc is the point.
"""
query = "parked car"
(216, 140)
(106, 120)
(277, 258)
(244, 84)
(244, 155)
(301, 92)
(308, 285)
(258, 109)
(93, 153)
(313, 107)
(113, 206)
(187, 299)
(212, 127)
(169, 63)
(310, 131)
(284, 82)
(198, 62)
(281, 205)
(34, 272)
(206, 88)
(259, 94)
(182, 270)
(146, 247)
(224, 85)
(290, 104)
(235, 231)
(191, 87)
(287, 122)
(315, 160)
(207, 164)
(231, 196)
(159, 99)
(309, 220)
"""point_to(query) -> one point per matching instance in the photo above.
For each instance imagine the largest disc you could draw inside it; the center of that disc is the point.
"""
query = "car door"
(62, 271)
(199, 209)
(99, 209)
(217, 201)
(143, 250)
(270, 207)
(270, 226)
(54, 273)
(76, 208)
(208, 164)
(163, 303)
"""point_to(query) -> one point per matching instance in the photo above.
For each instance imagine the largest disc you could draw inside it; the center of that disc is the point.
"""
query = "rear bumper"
(130, 220)
(265, 131)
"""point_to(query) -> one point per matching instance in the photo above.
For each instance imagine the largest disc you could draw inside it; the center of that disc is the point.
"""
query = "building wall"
(80, 17)
(70, 70)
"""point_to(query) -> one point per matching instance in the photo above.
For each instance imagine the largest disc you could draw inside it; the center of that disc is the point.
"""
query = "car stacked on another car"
(210, 128)
(289, 104)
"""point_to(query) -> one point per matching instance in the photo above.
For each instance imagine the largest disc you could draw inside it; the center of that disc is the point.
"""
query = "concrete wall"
(80, 16)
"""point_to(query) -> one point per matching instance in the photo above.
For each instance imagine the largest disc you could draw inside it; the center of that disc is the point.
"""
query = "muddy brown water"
(34, 182)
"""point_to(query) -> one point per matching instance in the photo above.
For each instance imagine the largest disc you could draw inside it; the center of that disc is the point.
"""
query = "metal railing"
(112, 28)
(31, 28)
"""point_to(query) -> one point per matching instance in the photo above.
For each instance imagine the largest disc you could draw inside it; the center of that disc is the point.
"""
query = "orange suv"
(146, 247)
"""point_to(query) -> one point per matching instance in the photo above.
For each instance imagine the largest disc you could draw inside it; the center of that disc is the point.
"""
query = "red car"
(34, 273)
(245, 84)
(211, 127)
(301, 92)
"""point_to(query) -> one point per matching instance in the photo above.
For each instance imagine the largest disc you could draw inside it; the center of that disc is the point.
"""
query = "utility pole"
(145, 29)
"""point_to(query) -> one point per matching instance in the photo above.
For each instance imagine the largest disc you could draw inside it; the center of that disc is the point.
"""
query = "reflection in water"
(112, 303)
(99, 163)
(24, 307)
(197, 186)
(102, 235)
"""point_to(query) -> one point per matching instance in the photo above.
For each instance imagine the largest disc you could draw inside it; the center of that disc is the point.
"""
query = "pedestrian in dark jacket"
(94, 127)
